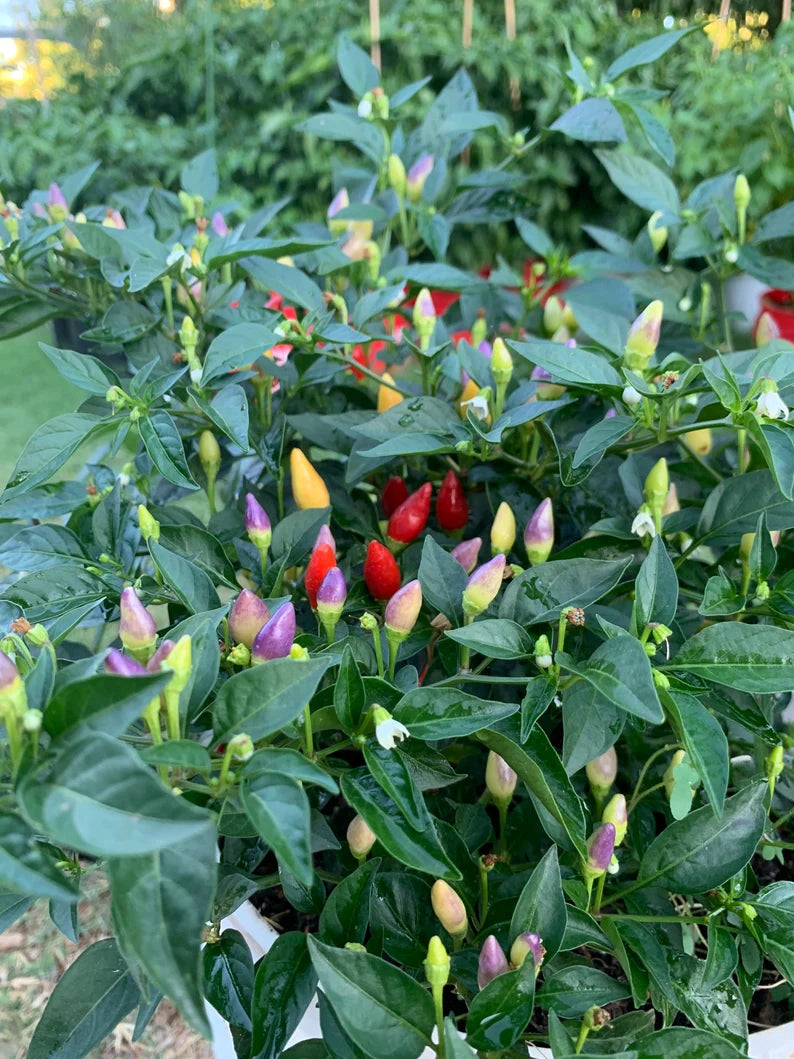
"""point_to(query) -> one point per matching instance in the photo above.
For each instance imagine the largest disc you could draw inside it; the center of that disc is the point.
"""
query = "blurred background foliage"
(143, 87)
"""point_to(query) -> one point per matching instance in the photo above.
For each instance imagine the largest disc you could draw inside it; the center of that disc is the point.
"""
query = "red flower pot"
(779, 304)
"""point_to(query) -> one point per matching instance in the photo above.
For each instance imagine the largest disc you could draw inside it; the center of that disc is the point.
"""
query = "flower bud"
(539, 533)
(240, 747)
(766, 330)
(38, 636)
(601, 772)
(479, 329)
(437, 963)
(466, 553)
(527, 943)
(503, 530)
(402, 610)
(148, 524)
(331, 596)
(424, 317)
(500, 779)
(417, 177)
(257, 525)
(276, 636)
(31, 720)
(449, 909)
(643, 337)
(543, 656)
(553, 314)
(656, 485)
(397, 177)
(340, 201)
(137, 628)
(118, 664)
(155, 663)
(615, 813)
(745, 546)
(492, 962)
(483, 586)
(209, 453)
(179, 662)
(656, 232)
(773, 765)
(501, 363)
(247, 616)
(631, 397)
(600, 847)
(547, 390)
(12, 688)
(360, 837)
(387, 397)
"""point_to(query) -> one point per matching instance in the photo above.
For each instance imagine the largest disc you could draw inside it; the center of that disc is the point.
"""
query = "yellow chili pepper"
(471, 389)
(387, 398)
(308, 488)
(503, 530)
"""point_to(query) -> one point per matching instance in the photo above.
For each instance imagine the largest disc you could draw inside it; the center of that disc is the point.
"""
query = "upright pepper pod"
(322, 560)
(452, 510)
(395, 491)
(410, 518)
(381, 572)
(308, 488)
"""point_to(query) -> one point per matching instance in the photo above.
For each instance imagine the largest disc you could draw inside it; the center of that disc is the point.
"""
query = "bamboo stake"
(374, 33)
(785, 14)
(725, 10)
(510, 33)
(468, 18)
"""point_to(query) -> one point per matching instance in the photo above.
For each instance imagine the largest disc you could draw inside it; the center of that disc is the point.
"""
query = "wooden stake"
(785, 14)
(468, 17)
(510, 33)
(374, 33)
(725, 10)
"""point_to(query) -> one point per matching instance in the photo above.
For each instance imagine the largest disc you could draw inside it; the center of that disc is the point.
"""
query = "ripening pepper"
(417, 176)
(539, 533)
(322, 560)
(698, 441)
(381, 572)
(331, 597)
(500, 779)
(601, 772)
(526, 943)
(452, 510)
(600, 847)
(483, 586)
(276, 636)
(247, 616)
(410, 518)
(468, 393)
(394, 492)
(466, 553)
(402, 610)
(657, 233)
(492, 962)
(360, 838)
(503, 530)
(308, 488)
(766, 329)
(397, 175)
(449, 909)
(643, 337)
(257, 524)
(137, 628)
(387, 397)
(616, 813)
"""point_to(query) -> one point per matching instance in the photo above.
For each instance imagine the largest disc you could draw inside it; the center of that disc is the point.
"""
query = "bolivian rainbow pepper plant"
(446, 617)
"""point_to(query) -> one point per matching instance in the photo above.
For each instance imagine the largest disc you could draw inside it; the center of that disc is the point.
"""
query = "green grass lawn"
(33, 392)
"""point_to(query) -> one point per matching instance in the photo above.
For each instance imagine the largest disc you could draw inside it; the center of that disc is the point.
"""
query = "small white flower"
(364, 108)
(643, 523)
(195, 375)
(543, 661)
(631, 397)
(771, 405)
(614, 866)
(123, 479)
(178, 254)
(390, 732)
(478, 405)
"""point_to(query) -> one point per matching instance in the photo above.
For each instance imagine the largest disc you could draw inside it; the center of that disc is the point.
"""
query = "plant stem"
(172, 725)
(741, 446)
(502, 807)
(599, 894)
(483, 893)
(657, 753)
(650, 790)
(308, 740)
(438, 1003)
(784, 819)
(584, 1031)
(465, 651)
(223, 775)
(211, 493)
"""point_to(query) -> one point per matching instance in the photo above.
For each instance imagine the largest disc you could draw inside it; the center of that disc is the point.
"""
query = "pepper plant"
(445, 615)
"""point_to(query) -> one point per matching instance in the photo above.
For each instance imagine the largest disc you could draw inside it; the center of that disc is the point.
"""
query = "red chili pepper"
(381, 572)
(452, 510)
(322, 560)
(395, 491)
(410, 518)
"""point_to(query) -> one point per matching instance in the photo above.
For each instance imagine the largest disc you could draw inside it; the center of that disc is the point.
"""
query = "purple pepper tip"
(492, 962)
(247, 616)
(121, 665)
(275, 638)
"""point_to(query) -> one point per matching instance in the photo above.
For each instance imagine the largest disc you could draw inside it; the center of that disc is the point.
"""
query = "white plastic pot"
(743, 297)
(775, 1043)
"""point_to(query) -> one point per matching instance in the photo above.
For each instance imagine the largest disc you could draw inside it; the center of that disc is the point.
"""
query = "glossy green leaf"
(699, 853)
(202, 549)
(279, 809)
(26, 866)
(442, 579)
(384, 1011)
(494, 638)
(48, 449)
(573, 367)
(37, 547)
(346, 913)
(755, 658)
(392, 774)
(236, 347)
(444, 713)
(500, 1012)
(656, 588)
(537, 699)
(84, 371)
(283, 989)
(349, 693)
(591, 724)
(289, 763)
(229, 984)
(163, 443)
(265, 698)
(705, 742)
(570, 991)
(619, 670)
(188, 582)
(540, 593)
(733, 506)
(91, 998)
(402, 914)
(541, 905)
(594, 120)
(103, 703)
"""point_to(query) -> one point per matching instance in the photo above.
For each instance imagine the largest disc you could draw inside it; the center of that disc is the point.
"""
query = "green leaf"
(775, 225)
(721, 596)
(349, 694)
(98, 797)
(236, 347)
(39, 547)
(539, 594)
(228, 410)
(656, 134)
(763, 555)
(391, 773)
(499, 1013)
(754, 658)
(86, 372)
(401, 913)
(346, 913)
(776, 441)
(160, 903)
(12, 906)
(289, 763)
(591, 724)
(537, 699)
(294, 536)
(200, 177)
(442, 579)
(278, 808)
(640, 181)
(25, 866)
(416, 848)
(733, 507)
(91, 998)
(774, 272)
(593, 120)
(699, 853)
(203, 632)
(102, 703)
(345, 128)
(447, 713)
(163, 443)
(595, 441)
(201, 548)
(574, 367)
(619, 670)
(283, 989)
(656, 588)
(265, 698)
(646, 52)
(229, 984)
(534, 236)
(48, 449)
(494, 638)
(679, 1042)
(541, 905)
(705, 742)
(294, 285)
(178, 753)
(356, 67)
(570, 991)
(382, 1010)
(539, 767)
(188, 582)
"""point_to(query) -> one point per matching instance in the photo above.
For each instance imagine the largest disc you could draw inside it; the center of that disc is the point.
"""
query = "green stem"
(223, 776)
(211, 493)
(650, 790)
(502, 807)
(784, 819)
(465, 651)
(599, 894)
(741, 446)
(169, 303)
(656, 754)
(172, 724)
(438, 1003)
(483, 893)
(394, 647)
(584, 1031)
(378, 651)
(308, 740)
(14, 735)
